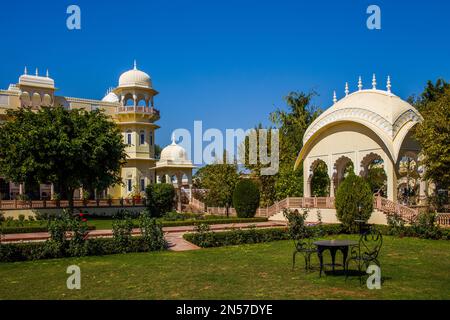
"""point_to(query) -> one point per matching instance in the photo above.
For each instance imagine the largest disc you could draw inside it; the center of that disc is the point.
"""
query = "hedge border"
(30, 229)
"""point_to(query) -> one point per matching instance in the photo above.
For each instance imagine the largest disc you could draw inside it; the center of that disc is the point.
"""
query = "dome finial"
(346, 89)
(135, 64)
(37, 72)
(360, 85)
(388, 86)
(26, 70)
(374, 82)
(334, 96)
(173, 139)
(47, 74)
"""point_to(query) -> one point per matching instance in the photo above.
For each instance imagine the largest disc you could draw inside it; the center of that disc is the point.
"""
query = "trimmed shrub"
(353, 192)
(31, 229)
(152, 233)
(160, 198)
(246, 198)
(122, 227)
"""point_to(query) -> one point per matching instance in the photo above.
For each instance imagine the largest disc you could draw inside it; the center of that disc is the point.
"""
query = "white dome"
(135, 78)
(174, 153)
(380, 109)
(111, 97)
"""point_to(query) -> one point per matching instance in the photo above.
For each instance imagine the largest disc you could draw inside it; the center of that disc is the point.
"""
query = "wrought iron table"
(333, 246)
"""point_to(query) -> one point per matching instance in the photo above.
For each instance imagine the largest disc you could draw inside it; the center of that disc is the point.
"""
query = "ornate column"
(179, 184)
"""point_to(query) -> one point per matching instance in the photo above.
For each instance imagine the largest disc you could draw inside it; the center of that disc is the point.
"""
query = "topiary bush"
(160, 199)
(246, 198)
(352, 193)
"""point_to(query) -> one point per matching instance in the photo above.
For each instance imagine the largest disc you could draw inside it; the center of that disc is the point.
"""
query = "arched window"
(128, 137)
(151, 138)
(142, 137)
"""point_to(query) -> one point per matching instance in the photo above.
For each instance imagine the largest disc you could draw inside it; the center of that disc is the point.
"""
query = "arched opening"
(142, 137)
(4, 189)
(128, 138)
(374, 172)
(342, 168)
(408, 179)
(319, 180)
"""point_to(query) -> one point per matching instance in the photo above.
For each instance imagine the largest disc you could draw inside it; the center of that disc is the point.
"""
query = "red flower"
(84, 220)
(81, 215)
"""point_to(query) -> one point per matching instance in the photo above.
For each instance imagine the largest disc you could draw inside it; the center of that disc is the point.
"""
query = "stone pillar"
(306, 180)
(179, 185)
(391, 173)
(52, 191)
(21, 188)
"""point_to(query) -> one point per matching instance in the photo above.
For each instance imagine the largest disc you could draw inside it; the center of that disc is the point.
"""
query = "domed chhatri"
(365, 124)
(135, 78)
(174, 155)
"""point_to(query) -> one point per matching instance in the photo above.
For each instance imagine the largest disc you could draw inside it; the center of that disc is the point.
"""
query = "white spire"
(346, 89)
(47, 74)
(173, 138)
(334, 97)
(374, 82)
(388, 86)
(26, 70)
(360, 86)
(135, 64)
(37, 72)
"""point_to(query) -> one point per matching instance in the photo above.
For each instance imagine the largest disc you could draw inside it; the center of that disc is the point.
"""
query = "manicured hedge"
(44, 250)
(212, 221)
(29, 229)
(249, 236)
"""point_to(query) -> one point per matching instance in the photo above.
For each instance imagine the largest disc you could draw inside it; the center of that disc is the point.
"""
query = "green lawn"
(412, 268)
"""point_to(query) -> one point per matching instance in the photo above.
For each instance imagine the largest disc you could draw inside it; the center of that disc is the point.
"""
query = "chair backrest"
(370, 244)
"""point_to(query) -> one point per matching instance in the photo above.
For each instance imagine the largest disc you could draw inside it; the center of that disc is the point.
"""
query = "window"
(142, 184)
(151, 138)
(129, 185)
(142, 137)
(128, 137)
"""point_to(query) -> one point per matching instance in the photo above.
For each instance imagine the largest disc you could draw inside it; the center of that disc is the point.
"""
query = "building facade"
(130, 105)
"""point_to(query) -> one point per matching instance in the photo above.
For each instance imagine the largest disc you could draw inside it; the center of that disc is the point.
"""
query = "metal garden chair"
(366, 252)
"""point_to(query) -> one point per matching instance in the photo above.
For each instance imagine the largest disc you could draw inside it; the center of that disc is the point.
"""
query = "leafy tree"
(292, 124)
(352, 193)
(220, 179)
(246, 198)
(158, 150)
(434, 136)
(376, 177)
(432, 93)
(160, 198)
(68, 148)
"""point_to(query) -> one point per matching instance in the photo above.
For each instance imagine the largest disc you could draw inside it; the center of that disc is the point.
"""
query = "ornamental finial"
(135, 64)
(26, 70)
(360, 85)
(346, 89)
(47, 74)
(173, 138)
(334, 97)
(374, 82)
(388, 86)
(37, 72)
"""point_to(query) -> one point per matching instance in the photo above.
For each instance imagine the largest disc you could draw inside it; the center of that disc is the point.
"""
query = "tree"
(320, 183)
(292, 124)
(160, 198)
(67, 148)
(376, 177)
(432, 93)
(353, 195)
(434, 136)
(220, 179)
(246, 198)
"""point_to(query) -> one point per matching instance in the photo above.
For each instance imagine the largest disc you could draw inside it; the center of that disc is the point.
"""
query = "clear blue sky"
(228, 63)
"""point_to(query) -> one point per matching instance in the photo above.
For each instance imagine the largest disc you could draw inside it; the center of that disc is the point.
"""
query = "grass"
(411, 268)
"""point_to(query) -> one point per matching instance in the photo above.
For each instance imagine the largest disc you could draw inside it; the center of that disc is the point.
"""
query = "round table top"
(335, 243)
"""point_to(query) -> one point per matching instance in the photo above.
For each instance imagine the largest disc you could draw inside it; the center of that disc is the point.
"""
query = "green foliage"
(433, 133)
(353, 192)
(68, 148)
(376, 177)
(160, 198)
(220, 180)
(122, 228)
(152, 233)
(246, 198)
(289, 183)
(297, 228)
(236, 237)
(320, 182)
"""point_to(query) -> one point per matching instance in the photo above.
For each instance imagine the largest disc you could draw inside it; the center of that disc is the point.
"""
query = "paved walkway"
(174, 235)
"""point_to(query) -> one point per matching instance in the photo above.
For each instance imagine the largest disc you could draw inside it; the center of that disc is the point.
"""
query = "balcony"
(138, 109)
